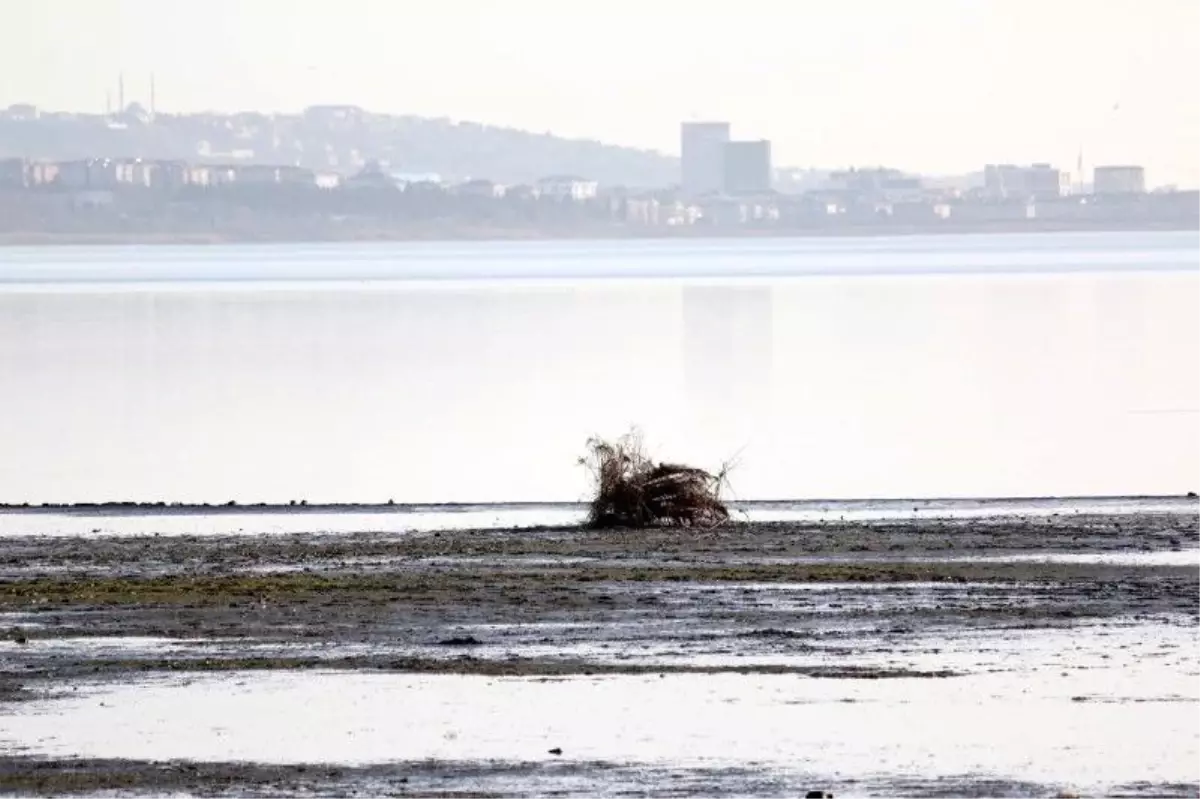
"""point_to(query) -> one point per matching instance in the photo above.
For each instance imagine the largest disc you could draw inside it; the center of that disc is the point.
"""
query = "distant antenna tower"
(108, 103)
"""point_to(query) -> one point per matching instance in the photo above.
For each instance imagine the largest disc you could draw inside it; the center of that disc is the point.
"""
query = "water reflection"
(1068, 384)
(728, 355)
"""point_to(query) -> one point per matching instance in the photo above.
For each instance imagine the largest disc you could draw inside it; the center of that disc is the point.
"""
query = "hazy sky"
(928, 85)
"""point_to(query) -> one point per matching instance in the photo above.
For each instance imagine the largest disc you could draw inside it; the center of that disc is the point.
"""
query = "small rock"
(556, 750)
(818, 795)
(461, 640)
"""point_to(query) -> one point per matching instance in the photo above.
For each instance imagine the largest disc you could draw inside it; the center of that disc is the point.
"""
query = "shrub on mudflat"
(634, 491)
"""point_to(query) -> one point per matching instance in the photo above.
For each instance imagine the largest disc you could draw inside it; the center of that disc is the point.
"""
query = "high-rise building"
(702, 147)
(747, 167)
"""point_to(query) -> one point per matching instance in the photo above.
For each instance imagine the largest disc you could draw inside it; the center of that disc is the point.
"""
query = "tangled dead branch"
(634, 491)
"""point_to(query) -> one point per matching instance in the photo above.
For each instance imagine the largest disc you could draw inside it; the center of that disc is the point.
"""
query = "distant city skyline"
(860, 83)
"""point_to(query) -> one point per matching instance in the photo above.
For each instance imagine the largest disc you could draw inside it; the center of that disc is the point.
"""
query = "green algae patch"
(180, 589)
(468, 582)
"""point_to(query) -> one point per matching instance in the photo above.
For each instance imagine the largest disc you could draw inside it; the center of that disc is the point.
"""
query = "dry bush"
(634, 491)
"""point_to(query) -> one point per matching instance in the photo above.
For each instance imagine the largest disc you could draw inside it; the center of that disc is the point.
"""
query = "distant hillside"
(338, 139)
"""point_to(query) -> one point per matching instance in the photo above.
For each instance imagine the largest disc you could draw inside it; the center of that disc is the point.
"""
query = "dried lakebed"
(991, 656)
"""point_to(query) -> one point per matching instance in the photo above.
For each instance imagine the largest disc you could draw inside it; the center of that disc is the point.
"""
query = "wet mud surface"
(832, 601)
(393, 779)
(441, 779)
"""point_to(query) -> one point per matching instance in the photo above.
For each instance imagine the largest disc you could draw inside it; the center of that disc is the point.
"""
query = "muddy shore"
(849, 601)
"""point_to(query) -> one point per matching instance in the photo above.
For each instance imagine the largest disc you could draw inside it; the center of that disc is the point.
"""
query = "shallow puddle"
(982, 725)
(250, 520)
(167, 522)
(1089, 707)
(1180, 557)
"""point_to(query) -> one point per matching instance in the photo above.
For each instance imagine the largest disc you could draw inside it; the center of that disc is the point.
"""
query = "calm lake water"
(1008, 365)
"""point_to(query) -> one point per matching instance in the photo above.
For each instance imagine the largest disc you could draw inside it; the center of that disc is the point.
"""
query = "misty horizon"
(940, 93)
(863, 164)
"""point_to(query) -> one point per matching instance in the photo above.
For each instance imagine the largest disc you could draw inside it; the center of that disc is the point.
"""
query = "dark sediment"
(527, 602)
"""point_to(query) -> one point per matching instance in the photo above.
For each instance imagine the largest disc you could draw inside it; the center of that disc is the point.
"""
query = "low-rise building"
(567, 187)
(42, 173)
(480, 188)
(88, 173)
(881, 186)
(1012, 182)
(522, 193)
(371, 176)
(170, 174)
(405, 179)
(296, 176)
(642, 211)
(334, 115)
(1119, 180)
(199, 175)
(327, 180)
(14, 173)
(136, 173)
(1061, 209)
(424, 188)
(21, 112)
(251, 174)
(729, 211)
(221, 175)
(719, 210)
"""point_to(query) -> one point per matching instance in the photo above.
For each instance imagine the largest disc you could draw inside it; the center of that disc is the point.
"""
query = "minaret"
(121, 93)
(152, 95)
